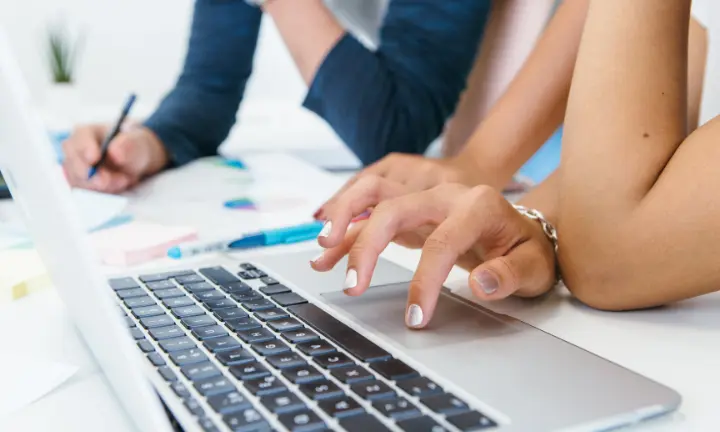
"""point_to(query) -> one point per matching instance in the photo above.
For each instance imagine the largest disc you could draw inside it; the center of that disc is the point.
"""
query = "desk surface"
(677, 346)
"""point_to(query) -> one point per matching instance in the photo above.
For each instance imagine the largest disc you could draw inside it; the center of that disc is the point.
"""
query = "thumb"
(526, 271)
(125, 155)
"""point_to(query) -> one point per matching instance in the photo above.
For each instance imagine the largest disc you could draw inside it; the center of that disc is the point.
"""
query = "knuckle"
(439, 242)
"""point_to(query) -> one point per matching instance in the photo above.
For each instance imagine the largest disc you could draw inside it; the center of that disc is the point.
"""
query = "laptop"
(267, 344)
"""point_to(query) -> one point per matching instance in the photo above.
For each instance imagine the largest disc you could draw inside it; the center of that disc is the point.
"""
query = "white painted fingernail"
(326, 229)
(414, 316)
(318, 258)
(350, 279)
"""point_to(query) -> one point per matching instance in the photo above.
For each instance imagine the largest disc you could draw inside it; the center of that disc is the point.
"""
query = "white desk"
(677, 346)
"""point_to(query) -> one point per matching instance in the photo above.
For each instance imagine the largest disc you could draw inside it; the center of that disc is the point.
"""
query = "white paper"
(23, 381)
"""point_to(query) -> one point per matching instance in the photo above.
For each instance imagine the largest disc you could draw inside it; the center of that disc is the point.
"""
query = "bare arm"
(534, 105)
(638, 224)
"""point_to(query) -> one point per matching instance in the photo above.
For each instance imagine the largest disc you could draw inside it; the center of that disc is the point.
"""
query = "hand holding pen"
(121, 156)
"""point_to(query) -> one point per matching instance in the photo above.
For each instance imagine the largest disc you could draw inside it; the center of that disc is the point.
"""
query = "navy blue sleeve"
(398, 98)
(197, 115)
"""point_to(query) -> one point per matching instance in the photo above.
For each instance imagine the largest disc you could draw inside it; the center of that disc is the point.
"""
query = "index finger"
(376, 169)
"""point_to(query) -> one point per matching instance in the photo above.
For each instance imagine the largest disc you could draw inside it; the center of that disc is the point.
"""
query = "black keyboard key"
(207, 425)
(230, 314)
(229, 402)
(206, 296)
(287, 360)
(394, 369)
(258, 273)
(168, 293)
(177, 344)
(336, 331)
(267, 280)
(209, 332)
(167, 374)
(362, 423)
(243, 324)
(246, 275)
(178, 302)
(200, 371)
(271, 314)
(137, 334)
(246, 420)
(285, 325)
(322, 389)
(372, 390)
(194, 407)
(156, 321)
(420, 387)
(199, 287)
(258, 305)
(265, 386)
(187, 357)
(198, 321)
(214, 386)
(246, 296)
(445, 403)
(300, 335)
(136, 302)
(303, 374)
(289, 299)
(163, 276)
(180, 390)
(271, 347)
(233, 357)
(316, 348)
(160, 285)
(247, 266)
(420, 424)
(123, 283)
(169, 332)
(129, 293)
(148, 311)
(218, 304)
(156, 359)
(333, 360)
(249, 371)
(271, 290)
(282, 403)
(188, 311)
(236, 288)
(129, 321)
(255, 335)
(397, 409)
(301, 421)
(471, 421)
(145, 346)
(193, 278)
(220, 344)
(343, 407)
(352, 374)
(218, 275)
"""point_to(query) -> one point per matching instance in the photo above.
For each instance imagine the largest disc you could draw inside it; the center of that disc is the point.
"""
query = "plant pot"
(60, 106)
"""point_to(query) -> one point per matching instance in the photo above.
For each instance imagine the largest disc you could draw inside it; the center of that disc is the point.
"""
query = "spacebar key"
(339, 333)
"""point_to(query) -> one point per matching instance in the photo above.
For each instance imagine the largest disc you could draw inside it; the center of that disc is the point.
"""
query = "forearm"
(534, 104)
(196, 116)
(309, 30)
(544, 197)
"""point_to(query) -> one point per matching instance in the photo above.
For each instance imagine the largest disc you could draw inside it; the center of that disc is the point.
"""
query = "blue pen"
(113, 133)
(288, 235)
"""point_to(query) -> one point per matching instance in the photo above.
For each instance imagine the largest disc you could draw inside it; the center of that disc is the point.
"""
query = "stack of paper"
(22, 273)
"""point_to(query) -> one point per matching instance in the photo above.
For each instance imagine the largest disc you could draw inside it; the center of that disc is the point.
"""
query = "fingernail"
(488, 282)
(326, 229)
(316, 215)
(318, 258)
(414, 316)
(350, 279)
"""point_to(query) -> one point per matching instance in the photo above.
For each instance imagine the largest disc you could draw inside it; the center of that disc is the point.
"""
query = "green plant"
(62, 55)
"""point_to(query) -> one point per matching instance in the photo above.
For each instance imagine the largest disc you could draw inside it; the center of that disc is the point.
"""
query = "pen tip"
(174, 253)
(91, 173)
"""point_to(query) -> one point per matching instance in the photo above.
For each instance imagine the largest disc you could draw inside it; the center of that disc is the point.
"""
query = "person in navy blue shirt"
(395, 98)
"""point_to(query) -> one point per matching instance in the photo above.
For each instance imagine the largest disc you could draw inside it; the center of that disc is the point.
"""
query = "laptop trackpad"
(382, 309)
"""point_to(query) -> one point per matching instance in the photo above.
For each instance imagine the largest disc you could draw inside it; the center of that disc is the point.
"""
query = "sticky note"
(137, 242)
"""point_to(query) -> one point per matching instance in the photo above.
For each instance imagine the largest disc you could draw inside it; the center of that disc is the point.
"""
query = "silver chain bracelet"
(548, 229)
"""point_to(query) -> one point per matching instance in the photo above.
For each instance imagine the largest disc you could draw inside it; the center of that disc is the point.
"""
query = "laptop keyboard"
(246, 353)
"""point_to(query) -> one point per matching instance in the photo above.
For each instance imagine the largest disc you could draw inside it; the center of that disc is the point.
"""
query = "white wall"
(130, 45)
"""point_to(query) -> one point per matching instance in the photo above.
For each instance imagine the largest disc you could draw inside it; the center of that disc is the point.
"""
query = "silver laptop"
(267, 344)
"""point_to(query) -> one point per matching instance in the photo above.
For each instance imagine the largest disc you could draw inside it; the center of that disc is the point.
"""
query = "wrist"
(157, 156)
